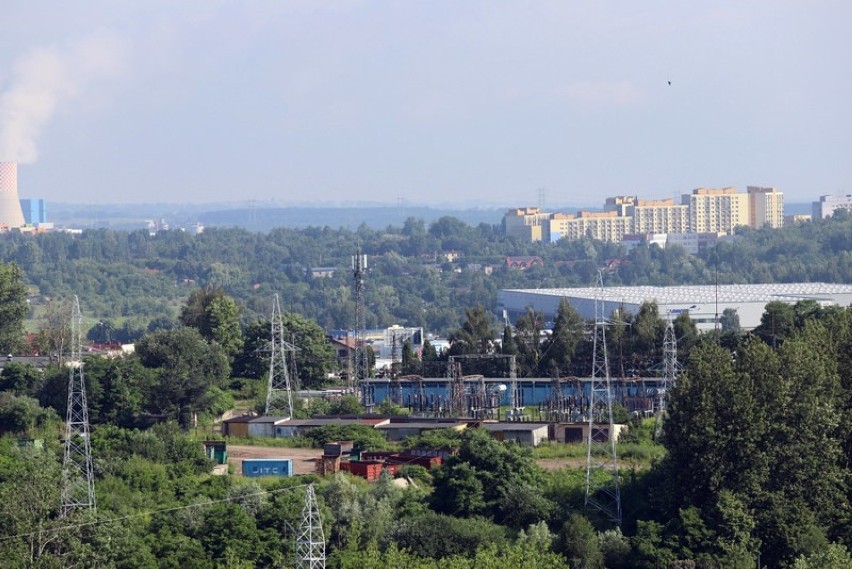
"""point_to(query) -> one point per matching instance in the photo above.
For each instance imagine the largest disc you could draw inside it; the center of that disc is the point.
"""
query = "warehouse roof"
(764, 293)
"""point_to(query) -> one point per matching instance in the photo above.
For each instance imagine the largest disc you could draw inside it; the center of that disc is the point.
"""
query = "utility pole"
(78, 480)
(279, 394)
(310, 545)
(602, 490)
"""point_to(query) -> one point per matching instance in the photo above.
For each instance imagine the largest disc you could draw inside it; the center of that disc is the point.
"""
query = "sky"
(475, 103)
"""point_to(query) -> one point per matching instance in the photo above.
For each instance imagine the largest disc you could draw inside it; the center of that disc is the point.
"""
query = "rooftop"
(698, 294)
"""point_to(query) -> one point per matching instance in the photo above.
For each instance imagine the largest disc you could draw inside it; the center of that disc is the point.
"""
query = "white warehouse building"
(702, 302)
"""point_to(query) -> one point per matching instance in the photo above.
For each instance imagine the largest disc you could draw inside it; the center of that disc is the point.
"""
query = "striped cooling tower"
(11, 214)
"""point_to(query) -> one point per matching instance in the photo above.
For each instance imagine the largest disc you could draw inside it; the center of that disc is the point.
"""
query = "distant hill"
(264, 216)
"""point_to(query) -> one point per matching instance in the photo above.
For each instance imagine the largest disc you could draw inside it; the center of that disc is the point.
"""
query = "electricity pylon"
(602, 484)
(361, 364)
(670, 366)
(310, 545)
(279, 394)
(78, 480)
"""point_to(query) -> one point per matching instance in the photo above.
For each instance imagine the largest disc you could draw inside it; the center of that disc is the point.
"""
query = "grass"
(637, 453)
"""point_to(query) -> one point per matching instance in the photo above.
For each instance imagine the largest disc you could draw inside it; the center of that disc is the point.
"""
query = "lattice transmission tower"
(78, 480)
(279, 394)
(361, 367)
(670, 368)
(602, 484)
(310, 545)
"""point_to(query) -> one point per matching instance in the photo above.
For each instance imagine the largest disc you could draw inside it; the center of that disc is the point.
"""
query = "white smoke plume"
(46, 80)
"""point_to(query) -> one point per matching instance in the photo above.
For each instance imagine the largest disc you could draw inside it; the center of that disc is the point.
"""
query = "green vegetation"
(754, 457)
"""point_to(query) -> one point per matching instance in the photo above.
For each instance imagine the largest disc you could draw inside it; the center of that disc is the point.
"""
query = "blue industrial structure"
(257, 467)
(35, 211)
(635, 394)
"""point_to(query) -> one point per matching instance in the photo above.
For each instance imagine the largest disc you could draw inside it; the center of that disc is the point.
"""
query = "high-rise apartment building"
(716, 210)
(604, 226)
(660, 216)
(526, 223)
(766, 207)
(827, 205)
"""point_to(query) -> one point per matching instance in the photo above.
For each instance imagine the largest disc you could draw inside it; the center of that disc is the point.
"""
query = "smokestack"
(11, 213)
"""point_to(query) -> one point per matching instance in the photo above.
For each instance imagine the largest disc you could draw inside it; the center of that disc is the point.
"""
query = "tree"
(55, 330)
(216, 316)
(187, 367)
(314, 355)
(410, 361)
(21, 415)
(528, 329)
(730, 320)
(475, 336)
(491, 478)
(578, 542)
(13, 306)
(835, 556)
(568, 331)
(777, 323)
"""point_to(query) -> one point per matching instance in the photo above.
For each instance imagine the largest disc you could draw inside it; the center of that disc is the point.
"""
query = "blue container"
(257, 467)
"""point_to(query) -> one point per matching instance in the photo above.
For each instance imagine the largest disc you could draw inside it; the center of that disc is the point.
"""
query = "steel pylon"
(310, 544)
(670, 367)
(78, 481)
(279, 394)
(602, 483)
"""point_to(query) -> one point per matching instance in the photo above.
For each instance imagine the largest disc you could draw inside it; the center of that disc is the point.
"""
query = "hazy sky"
(429, 102)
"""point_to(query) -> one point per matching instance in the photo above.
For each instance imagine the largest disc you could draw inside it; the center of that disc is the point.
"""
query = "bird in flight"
(670, 82)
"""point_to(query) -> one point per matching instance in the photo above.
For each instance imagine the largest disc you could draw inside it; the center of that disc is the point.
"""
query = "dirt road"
(304, 459)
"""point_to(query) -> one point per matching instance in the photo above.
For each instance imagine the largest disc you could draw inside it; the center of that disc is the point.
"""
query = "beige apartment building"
(766, 207)
(660, 216)
(526, 223)
(604, 226)
(716, 210)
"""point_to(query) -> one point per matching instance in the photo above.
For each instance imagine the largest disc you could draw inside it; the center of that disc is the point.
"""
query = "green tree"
(410, 361)
(568, 332)
(528, 329)
(314, 355)
(223, 316)
(187, 367)
(216, 316)
(13, 306)
(730, 320)
(578, 542)
(835, 556)
(475, 336)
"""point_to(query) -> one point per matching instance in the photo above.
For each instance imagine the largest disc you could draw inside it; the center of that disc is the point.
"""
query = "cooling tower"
(11, 214)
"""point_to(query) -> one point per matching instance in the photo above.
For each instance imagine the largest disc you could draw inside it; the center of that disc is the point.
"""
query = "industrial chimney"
(11, 213)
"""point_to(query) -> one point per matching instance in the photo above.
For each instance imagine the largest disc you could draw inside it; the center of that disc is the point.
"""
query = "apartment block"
(714, 210)
(660, 216)
(525, 223)
(827, 205)
(604, 226)
(766, 207)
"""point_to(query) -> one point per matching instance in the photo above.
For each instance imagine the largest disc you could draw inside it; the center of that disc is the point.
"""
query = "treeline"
(135, 277)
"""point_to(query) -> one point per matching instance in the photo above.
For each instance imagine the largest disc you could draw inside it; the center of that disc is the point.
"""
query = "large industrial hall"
(703, 302)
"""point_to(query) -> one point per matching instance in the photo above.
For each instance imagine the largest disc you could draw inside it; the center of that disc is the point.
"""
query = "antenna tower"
(670, 367)
(78, 481)
(362, 368)
(310, 545)
(602, 488)
(279, 395)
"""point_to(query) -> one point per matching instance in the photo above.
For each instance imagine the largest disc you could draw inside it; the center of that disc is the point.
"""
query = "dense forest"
(128, 279)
